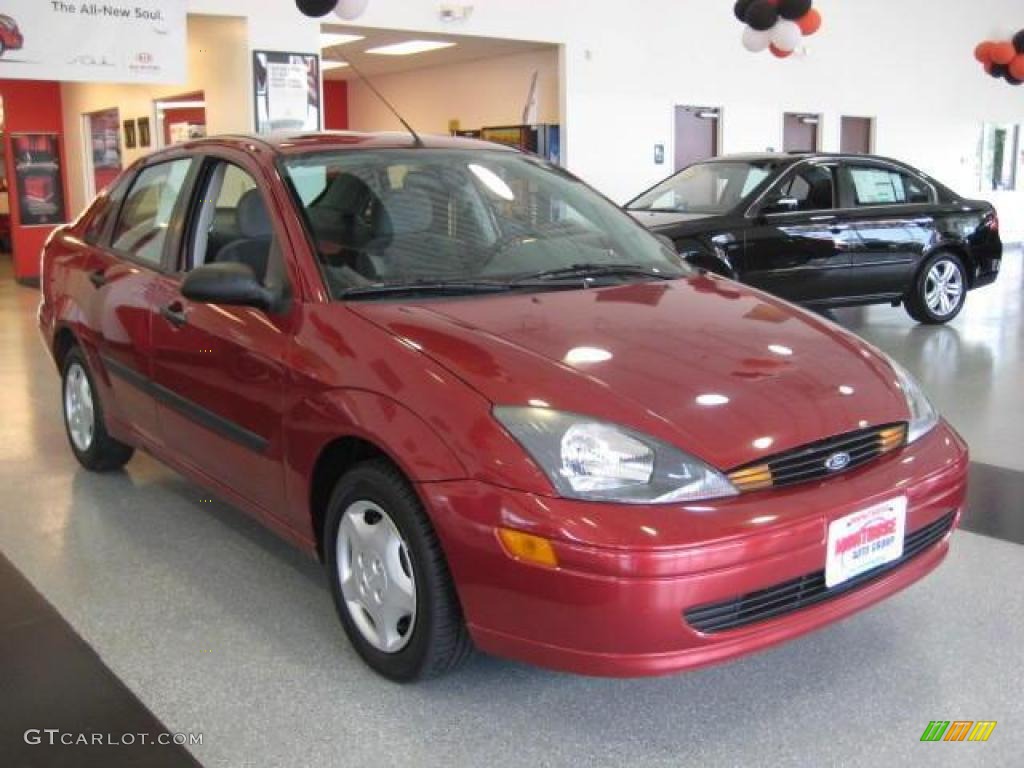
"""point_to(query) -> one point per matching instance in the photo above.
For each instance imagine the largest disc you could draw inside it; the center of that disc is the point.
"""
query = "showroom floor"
(199, 616)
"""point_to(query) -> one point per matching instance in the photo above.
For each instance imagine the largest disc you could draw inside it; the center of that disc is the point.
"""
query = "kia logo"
(837, 462)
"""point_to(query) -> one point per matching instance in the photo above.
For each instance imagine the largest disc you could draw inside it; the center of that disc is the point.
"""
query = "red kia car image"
(502, 413)
(10, 35)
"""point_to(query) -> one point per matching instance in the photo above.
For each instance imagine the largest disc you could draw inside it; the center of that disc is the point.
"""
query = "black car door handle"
(98, 278)
(174, 314)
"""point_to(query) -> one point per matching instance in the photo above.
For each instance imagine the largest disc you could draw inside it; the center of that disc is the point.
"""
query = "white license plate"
(865, 540)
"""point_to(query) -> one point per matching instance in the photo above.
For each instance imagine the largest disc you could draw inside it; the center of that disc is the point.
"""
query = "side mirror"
(780, 205)
(228, 283)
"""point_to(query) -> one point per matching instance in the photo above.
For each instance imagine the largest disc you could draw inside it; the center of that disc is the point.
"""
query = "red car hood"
(720, 370)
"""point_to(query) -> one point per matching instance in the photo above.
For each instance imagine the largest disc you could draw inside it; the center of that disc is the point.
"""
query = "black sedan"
(829, 230)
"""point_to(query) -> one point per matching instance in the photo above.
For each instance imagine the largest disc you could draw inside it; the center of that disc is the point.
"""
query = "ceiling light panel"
(410, 47)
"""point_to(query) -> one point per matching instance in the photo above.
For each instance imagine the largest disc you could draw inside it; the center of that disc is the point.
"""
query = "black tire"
(916, 301)
(103, 453)
(439, 641)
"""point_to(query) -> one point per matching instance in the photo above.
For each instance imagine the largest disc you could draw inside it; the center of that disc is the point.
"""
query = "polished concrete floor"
(217, 627)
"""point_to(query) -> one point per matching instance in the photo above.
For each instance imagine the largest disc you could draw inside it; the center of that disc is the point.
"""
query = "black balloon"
(1013, 80)
(999, 70)
(794, 9)
(762, 15)
(1018, 41)
(740, 9)
(316, 8)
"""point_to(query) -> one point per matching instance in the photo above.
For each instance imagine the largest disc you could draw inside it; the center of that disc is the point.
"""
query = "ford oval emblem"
(837, 462)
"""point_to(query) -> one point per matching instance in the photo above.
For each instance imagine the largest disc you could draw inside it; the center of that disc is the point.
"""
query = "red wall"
(190, 115)
(30, 106)
(336, 105)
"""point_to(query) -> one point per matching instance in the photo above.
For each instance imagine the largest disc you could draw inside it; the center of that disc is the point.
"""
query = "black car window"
(812, 187)
(233, 224)
(872, 185)
(146, 214)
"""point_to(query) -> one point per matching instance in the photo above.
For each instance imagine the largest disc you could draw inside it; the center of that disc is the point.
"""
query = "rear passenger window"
(141, 229)
(812, 188)
(881, 186)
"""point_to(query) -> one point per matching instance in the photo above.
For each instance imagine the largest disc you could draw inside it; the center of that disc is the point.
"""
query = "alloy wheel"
(376, 576)
(78, 407)
(944, 287)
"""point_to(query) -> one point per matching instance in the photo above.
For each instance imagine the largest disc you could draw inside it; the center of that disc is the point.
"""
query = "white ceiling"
(466, 49)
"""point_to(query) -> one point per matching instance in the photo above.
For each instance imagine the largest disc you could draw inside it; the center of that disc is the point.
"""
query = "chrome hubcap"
(376, 576)
(943, 287)
(78, 408)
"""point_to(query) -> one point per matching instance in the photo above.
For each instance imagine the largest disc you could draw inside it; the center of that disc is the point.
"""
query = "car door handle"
(174, 314)
(98, 278)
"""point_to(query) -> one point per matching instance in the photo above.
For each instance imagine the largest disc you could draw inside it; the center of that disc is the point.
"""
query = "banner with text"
(118, 41)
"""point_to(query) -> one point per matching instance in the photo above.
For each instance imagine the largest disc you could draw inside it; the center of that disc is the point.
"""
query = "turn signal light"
(752, 479)
(528, 548)
(891, 438)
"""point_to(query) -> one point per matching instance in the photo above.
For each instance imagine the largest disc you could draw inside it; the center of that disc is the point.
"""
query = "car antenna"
(417, 141)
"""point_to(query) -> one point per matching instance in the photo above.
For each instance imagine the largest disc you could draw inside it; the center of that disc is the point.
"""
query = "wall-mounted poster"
(39, 180)
(287, 91)
(144, 139)
(114, 41)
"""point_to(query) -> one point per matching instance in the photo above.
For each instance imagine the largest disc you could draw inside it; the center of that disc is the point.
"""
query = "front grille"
(814, 461)
(805, 591)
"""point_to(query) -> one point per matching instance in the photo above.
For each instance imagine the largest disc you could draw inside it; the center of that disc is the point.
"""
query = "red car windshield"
(426, 216)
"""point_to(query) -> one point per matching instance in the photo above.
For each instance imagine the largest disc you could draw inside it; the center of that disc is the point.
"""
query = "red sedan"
(502, 413)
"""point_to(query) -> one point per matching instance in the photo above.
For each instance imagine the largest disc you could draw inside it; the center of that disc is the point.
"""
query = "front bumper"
(626, 576)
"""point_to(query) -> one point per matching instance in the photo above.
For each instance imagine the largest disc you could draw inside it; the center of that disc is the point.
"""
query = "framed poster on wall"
(286, 88)
(39, 179)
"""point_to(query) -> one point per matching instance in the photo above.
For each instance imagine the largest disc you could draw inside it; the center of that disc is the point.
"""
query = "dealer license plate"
(865, 540)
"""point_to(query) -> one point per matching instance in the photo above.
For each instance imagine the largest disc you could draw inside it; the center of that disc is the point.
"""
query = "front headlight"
(923, 416)
(596, 461)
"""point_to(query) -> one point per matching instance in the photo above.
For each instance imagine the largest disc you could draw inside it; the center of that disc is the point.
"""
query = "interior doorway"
(180, 118)
(697, 135)
(857, 135)
(801, 132)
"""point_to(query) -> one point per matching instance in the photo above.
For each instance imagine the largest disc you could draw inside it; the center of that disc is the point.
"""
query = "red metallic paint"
(418, 380)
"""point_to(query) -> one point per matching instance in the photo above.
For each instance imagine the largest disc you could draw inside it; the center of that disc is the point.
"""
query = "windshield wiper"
(424, 288)
(598, 270)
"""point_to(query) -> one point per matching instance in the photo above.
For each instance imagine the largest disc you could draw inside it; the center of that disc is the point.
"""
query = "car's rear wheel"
(389, 578)
(939, 290)
(83, 419)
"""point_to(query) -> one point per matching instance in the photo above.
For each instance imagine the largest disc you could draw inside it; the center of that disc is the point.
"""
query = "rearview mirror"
(229, 283)
(780, 205)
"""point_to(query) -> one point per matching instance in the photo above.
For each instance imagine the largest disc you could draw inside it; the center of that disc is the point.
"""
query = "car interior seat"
(254, 226)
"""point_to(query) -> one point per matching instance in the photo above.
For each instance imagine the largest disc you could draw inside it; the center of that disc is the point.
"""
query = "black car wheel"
(389, 578)
(83, 419)
(939, 290)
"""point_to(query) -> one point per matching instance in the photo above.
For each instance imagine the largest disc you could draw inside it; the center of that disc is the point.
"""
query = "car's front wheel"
(939, 290)
(389, 578)
(83, 419)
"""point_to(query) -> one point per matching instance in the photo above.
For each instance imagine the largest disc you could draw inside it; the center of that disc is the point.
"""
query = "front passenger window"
(146, 214)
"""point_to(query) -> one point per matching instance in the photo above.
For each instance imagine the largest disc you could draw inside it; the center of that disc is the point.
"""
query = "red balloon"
(1017, 67)
(810, 22)
(983, 52)
(778, 52)
(1003, 53)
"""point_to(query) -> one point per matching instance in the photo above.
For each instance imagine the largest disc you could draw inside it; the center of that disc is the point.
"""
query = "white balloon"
(351, 9)
(786, 35)
(756, 40)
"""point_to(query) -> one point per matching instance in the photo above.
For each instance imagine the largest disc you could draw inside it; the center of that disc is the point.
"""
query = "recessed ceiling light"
(328, 65)
(410, 47)
(331, 39)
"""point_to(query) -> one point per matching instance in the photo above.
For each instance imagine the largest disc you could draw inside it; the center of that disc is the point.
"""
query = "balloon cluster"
(346, 9)
(777, 25)
(1003, 59)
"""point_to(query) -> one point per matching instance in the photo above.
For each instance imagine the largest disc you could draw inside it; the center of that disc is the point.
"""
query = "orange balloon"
(1003, 53)
(983, 52)
(779, 53)
(810, 22)
(1017, 67)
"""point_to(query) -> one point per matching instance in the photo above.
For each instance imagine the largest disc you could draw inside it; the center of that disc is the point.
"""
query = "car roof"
(789, 158)
(298, 143)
